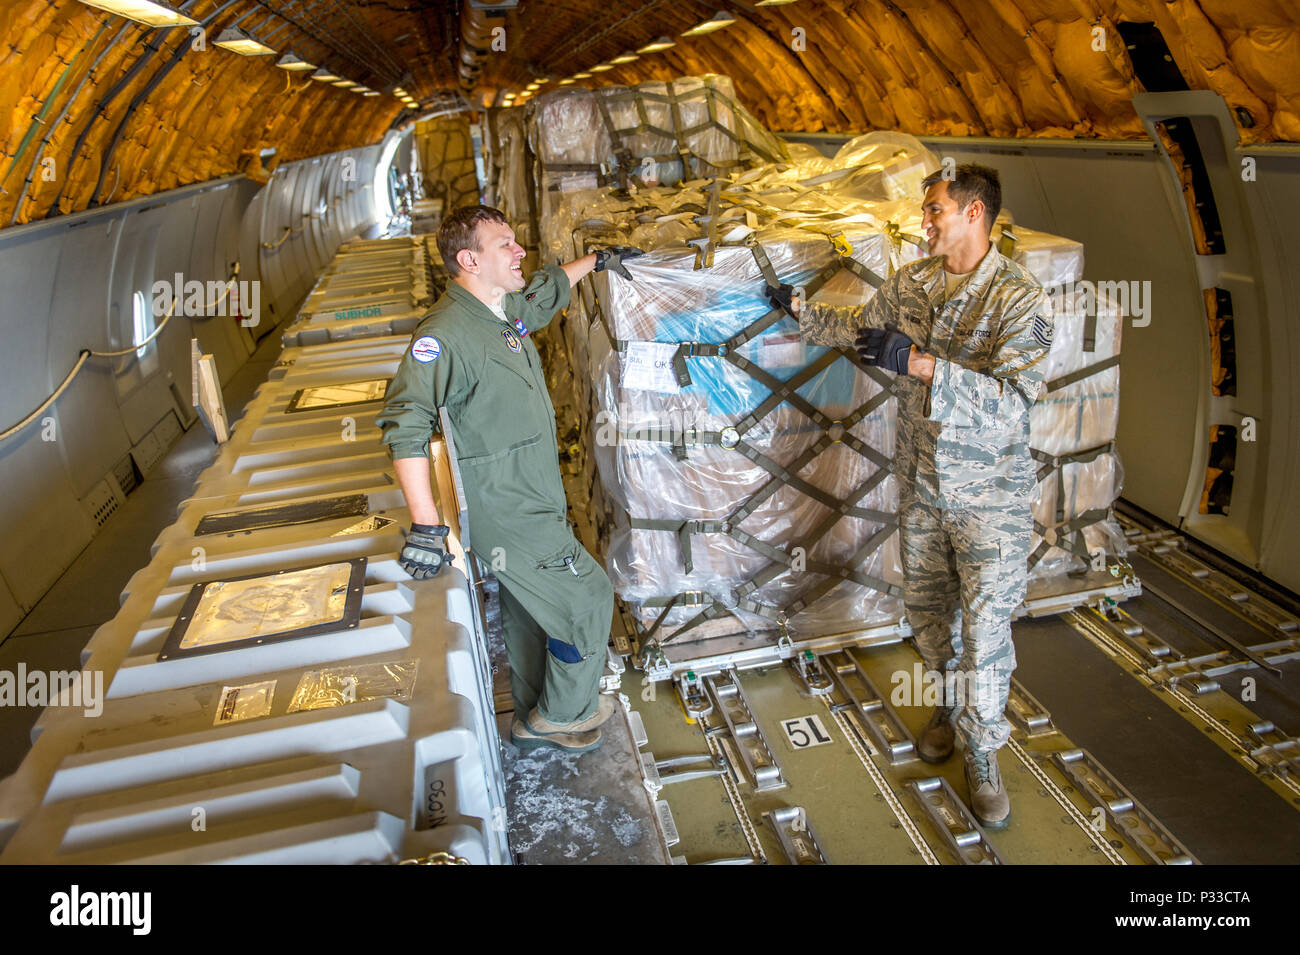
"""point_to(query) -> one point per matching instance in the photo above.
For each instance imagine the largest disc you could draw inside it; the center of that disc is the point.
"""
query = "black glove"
(425, 552)
(612, 259)
(886, 348)
(781, 296)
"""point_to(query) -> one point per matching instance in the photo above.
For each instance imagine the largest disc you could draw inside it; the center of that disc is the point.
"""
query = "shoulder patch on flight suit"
(521, 328)
(512, 340)
(1042, 331)
(426, 349)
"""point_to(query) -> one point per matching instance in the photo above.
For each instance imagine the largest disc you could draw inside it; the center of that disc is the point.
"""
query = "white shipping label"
(648, 366)
(782, 351)
(244, 702)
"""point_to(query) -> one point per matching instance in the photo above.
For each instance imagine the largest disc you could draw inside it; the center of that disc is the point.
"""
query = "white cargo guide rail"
(277, 689)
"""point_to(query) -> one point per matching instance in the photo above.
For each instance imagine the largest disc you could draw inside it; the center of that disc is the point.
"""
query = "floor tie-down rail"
(742, 651)
(745, 734)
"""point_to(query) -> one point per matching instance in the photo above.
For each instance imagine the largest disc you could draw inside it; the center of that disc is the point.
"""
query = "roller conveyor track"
(1113, 759)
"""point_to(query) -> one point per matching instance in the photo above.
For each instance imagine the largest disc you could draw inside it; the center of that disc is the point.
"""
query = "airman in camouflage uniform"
(963, 466)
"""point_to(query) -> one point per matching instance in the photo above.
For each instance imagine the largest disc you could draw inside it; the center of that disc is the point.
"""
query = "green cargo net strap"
(1047, 463)
(715, 608)
(622, 154)
(1087, 371)
(685, 530)
(693, 349)
(686, 599)
(1067, 535)
(896, 233)
(705, 244)
(684, 150)
(1007, 242)
(835, 431)
(680, 132)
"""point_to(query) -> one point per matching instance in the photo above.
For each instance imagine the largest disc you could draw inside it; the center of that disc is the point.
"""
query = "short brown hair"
(970, 181)
(457, 232)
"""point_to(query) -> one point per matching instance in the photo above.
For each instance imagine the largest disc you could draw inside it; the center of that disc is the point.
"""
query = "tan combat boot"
(989, 802)
(525, 739)
(935, 742)
(540, 726)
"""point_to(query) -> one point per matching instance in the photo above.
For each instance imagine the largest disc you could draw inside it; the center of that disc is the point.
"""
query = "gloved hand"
(612, 259)
(781, 296)
(886, 348)
(425, 552)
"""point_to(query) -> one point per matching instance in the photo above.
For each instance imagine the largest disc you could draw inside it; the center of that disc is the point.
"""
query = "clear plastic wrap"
(621, 342)
(1085, 413)
(1052, 259)
(507, 180)
(671, 302)
(355, 683)
(1078, 420)
(1077, 488)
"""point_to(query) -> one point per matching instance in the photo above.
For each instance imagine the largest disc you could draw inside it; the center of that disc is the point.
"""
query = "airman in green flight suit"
(473, 354)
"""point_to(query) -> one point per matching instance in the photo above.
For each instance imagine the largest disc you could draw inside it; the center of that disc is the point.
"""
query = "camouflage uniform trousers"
(964, 573)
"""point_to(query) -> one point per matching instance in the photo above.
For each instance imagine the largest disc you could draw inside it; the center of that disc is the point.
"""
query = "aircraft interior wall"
(76, 282)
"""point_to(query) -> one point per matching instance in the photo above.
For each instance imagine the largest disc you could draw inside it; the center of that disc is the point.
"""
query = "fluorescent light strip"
(718, 21)
(143, 11)
(237, 41)
(291, 62)
(657, 45)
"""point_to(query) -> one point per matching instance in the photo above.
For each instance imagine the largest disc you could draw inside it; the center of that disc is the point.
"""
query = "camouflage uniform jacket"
(964, 441)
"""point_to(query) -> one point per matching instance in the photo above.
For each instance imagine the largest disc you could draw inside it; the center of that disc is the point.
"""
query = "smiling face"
(496, 263)
(947, 228)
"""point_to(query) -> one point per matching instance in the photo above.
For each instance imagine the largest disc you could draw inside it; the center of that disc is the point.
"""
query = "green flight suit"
(556, 600)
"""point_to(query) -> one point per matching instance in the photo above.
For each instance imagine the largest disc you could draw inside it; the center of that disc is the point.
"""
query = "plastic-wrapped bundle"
(882, 166)
(1052, 259)
(586, 138)
(650, 467)
(670, 464)
(1072, 432)
(506, 160)
(1078, 495)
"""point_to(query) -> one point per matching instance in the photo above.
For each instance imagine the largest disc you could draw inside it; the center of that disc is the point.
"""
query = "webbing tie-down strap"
(1067, 535)
(1048, 463)
(714, 608)
(685, 530)
(1007, 242)
(692, 162)
(1063, 533)
(1087, 371)
(835, 431)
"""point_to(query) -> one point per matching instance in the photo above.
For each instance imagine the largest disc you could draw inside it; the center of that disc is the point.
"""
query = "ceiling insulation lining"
(151, 115)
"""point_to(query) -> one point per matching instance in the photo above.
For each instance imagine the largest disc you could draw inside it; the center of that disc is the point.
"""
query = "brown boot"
(989, 802)
(525, 739)
(935, 742)
(538, 725)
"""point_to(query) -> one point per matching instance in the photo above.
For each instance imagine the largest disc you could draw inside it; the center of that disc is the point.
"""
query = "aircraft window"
(142, 321)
